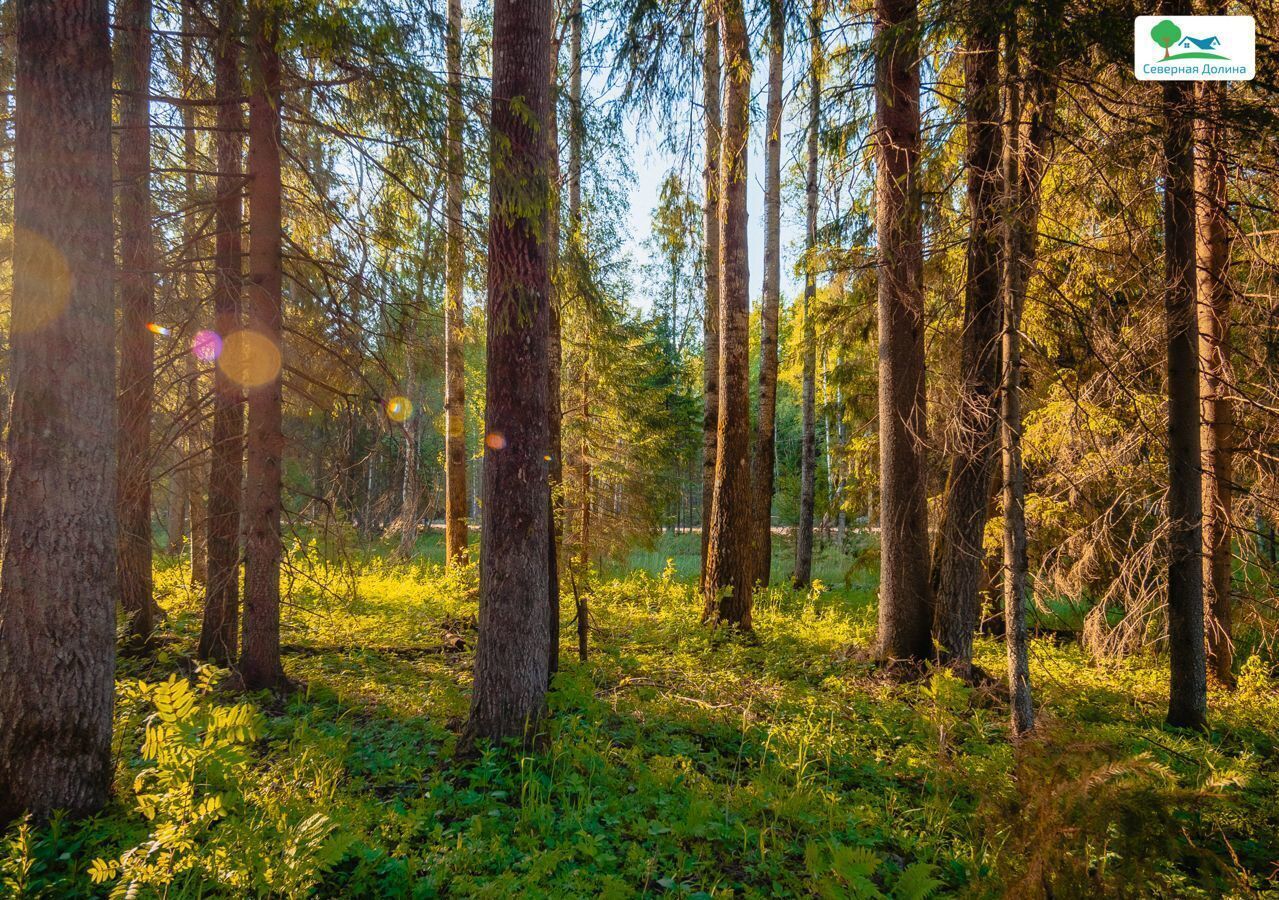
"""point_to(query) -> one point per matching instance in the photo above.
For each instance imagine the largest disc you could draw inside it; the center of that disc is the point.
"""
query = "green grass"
(678, 762)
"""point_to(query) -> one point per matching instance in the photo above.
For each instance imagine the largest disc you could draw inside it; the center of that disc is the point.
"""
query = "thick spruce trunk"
(58, 582)
(1188, 691)
(260, 666)
(904, 592)
(511, 656)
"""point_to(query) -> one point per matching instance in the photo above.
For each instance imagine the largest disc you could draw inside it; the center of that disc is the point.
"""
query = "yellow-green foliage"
(679, 761)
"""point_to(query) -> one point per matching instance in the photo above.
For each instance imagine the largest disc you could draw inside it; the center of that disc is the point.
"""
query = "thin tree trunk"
(511, 656)
(555, 355)
(729, 572)
(192, 477)
(219, 630)
(260, 666)
(1217, 427)
(58, 582)
(808, 441)
(137, 308)
(765, 449)
(904, 601)
(455, 494)
(711, 78)
(1188, 692)
(577, 242)
(963, 523)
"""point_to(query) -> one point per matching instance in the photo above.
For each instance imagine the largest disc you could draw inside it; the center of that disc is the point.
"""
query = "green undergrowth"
(676, 762)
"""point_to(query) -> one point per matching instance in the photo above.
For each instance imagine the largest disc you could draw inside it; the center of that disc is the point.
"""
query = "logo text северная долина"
(1194, 48)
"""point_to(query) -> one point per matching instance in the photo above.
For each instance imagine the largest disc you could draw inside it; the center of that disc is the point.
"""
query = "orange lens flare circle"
(399, 409)
(249, 358)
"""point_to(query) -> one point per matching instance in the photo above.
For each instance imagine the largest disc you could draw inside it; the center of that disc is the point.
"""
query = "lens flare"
(495, 440)
(41, 278)
(206, 345)
(399, 409)
(249, 358)
(158, 329)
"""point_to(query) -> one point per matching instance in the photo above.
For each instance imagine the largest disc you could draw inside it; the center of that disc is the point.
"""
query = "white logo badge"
(1194, 48)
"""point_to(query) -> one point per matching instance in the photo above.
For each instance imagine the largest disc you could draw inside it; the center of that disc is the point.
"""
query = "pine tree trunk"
(577, 239)
(1217, 428)
(711, 78)
(260, 666)
(904, 592)
(1188, 694)
(456, 527)
(729, 572)
(137, 308)
(963, 524)
(58, 582)
(808, 440)
(765, 448)
(509, 695)
(219, 630)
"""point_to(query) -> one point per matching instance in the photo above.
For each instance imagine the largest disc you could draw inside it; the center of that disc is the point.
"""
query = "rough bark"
(711, 78)
(137, 308)
(455, 494)
(58, 582)
(765, 449)
(808, 440)
(260, 666)
(219, 630)
(729, 572)
(1217, 427)
(1188, 691)
(963, 524)
(904, 601)
(511, 654)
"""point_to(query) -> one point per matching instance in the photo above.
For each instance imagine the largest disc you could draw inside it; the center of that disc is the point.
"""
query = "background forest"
(635, 447)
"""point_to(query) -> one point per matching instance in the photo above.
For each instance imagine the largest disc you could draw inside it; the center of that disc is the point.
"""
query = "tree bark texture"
(729, 573)
(511, 655)
(260, 665)
(904, 593)
(59, 583)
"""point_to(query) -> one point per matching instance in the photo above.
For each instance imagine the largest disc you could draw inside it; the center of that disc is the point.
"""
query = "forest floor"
(679, 761)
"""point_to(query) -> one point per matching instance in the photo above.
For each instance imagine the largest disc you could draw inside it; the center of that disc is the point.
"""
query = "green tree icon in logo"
(1165, 33)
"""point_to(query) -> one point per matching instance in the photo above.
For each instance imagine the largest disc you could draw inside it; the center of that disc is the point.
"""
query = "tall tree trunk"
(711, 78)
(192, 475)
(455, 495)
(219, 631)
(1217, 426)
(729, 572)
(511, 656)
(765, 450)
(260, 666)
(808, 440)
(1188, 692)
(58, 582)
(555, 355)
(137, 308)
(963, 524)
(904, 601)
